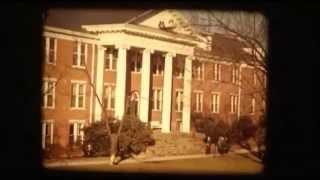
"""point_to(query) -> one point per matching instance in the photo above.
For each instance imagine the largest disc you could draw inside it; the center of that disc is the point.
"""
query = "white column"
(145, 85)
(239, 93)
(92, 81)
(186, 112)
(121, 81)
(51, 133)
(75, 132)
(167, 93)
(99, 84)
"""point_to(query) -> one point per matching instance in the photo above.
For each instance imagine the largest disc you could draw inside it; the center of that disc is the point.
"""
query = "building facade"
(173, 71)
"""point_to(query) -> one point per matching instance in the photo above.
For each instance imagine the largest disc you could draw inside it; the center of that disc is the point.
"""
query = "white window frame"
(78, 53)
(44, 132)
(76, 130)
(179, 99)
(200, 68)
(78, 83)
(111, 86)
(235, 75)
(215, 109)
(234, 100)
(158, 64)
(157, 93)
(112, 59)
(199, 100)
(45, 92)
(216, 72)
(135, 59)
(47, 50)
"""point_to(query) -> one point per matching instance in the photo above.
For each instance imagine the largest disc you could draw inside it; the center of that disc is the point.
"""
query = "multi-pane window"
(156, 99)
(252, 106)
(50, 50)
(216, 72)
(47, 133)
(109, 96)
(48, 93)
(78, 90)
(136, 58)
(235, 75)
(110, 59)
(76, 134)
(179, 100)
(199, 101)
(178, 69)
(79, 55)
(157, 65)
(198, 71)
(234, 103)
(215, 101)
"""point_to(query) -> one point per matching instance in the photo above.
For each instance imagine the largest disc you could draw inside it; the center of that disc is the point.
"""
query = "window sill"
(110, 70)
(51, 63)
(156, 110)
(75, 108)
(51, 108)
(78, 67)
(133, 72)
(157, 75)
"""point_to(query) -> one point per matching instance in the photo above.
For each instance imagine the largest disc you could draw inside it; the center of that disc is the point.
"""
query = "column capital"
(148, 50)
(170, 54)
(122, 46)
(190, 57)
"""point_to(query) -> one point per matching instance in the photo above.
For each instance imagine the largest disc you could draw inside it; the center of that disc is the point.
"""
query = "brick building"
(173, 69)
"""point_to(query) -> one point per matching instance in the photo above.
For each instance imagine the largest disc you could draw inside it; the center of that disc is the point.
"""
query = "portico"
(148, 41)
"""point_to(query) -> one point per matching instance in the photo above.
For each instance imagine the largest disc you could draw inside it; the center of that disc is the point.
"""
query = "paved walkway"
(105, 160)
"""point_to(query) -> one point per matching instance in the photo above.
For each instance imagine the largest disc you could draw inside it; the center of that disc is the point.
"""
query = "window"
(198, 71)
(254, 78)
(78, 90)
(136, 58)
(111, 57)
(199, 101)
(48, 93)
(109, 96)
(178, 69)
(47, 133)
(179, 100)
(253, 104)
(235, 75)
(76, 134)
(234, 103)
(216, 72)
(79, 55)
(50, 50)
(215, 101)
(157, 65)
(156, 99)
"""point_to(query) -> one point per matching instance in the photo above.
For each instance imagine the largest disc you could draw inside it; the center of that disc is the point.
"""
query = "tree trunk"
(113, 148)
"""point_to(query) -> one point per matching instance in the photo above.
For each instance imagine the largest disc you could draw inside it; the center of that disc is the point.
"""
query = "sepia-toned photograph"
(154, 90)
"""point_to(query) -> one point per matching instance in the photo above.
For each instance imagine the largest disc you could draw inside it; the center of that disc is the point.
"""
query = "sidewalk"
(105, 160)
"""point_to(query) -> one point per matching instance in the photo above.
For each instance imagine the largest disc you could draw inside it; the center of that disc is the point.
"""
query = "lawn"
(230, 164)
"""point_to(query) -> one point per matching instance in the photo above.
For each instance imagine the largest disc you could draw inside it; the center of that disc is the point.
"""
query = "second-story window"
(78, 90)
(48, 92)
(50, 50)
(178, 70)
(179, 100)
(157, 65)
(109, 97)
(198, 71)
(199, 101)
(135, 62)
(79, 55)
(235, 75)
(216, 72)
(111, 57)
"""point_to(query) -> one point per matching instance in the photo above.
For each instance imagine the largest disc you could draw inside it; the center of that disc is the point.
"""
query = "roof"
(72, 19)
(226, 48)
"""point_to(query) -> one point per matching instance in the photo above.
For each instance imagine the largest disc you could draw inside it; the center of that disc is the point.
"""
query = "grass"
(230, 164)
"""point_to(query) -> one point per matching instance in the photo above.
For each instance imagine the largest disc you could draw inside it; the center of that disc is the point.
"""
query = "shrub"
(54, 151)
(134, 137)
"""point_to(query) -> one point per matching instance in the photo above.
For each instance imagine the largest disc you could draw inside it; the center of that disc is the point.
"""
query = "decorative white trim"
(70, 32)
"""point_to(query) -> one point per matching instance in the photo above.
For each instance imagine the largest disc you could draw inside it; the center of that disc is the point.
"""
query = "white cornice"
(70, 32)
